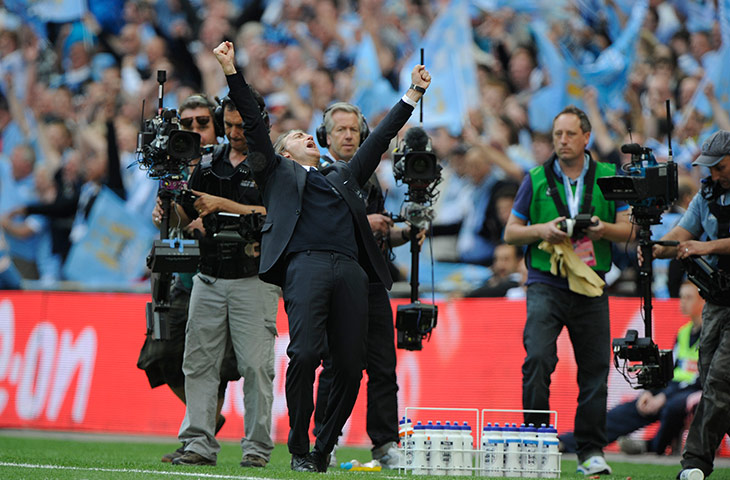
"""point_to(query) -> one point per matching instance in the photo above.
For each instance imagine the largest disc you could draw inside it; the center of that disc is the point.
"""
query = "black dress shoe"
(302, 463)
(319, 460)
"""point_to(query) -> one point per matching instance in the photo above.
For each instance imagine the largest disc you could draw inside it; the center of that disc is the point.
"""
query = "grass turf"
(34, 457)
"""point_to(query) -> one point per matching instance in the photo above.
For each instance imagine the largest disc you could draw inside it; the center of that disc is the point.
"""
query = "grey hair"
(329, 124)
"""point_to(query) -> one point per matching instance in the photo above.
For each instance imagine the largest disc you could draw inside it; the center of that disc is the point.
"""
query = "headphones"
(327, 117)
(226, 102)
(201, 100)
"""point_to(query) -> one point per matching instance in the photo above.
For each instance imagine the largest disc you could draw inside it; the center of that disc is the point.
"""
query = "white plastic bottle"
(430, 429)
(492, 453)
(405, 435)
(467, 446)
(549, 455)
(512, 451)
(437, 459)
(448, 445)
(529, 451)
(420, 450)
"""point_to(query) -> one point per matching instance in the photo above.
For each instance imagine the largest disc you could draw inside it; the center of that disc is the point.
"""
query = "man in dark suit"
(318, 246)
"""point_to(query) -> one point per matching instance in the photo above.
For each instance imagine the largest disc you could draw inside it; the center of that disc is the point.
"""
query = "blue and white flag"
(609, 74)
(372, 93)
(717, 72)
(58, 11)
(565, 86)
(700, 16)
(113, 250)
(518, 6)
(449, 57)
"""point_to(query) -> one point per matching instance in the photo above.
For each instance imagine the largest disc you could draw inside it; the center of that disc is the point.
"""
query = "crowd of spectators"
(72, 99)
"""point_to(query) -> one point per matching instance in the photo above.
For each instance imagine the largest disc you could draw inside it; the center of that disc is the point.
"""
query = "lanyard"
(573, 199)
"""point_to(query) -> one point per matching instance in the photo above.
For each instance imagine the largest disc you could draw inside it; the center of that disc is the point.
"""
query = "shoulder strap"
(552, 190)
(588, 181)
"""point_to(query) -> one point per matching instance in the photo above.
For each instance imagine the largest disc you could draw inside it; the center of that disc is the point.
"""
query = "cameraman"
(228, 303)
(708, 215)
(551, 304)
(162, 360)
(344, 128)
(667, 406)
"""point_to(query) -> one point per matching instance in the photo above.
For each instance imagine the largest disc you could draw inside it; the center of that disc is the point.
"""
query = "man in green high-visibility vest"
(560, 207)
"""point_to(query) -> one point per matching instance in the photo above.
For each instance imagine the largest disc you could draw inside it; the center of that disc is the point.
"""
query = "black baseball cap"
(714, 149)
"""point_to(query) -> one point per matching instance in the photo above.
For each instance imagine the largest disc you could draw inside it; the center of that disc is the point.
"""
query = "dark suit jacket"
(282, 181)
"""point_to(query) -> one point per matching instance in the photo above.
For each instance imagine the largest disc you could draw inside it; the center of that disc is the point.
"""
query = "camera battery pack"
(175, 255)
(414, 322)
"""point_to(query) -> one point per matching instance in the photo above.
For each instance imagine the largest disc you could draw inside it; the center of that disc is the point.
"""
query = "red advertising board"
(68, 362)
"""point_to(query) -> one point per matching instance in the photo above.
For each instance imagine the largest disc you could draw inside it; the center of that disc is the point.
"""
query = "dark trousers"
(711, 421)
(382, 409)
(325, 297)
(625, 418)
(549, 309)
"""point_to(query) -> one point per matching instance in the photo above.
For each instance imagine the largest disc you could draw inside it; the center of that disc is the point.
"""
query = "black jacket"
(282, 181)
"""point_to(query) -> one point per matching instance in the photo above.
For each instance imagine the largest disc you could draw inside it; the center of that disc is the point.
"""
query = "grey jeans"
(244, 309)
(712, 418)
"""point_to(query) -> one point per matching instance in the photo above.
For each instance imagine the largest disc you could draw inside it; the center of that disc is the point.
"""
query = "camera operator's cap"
(714, 149)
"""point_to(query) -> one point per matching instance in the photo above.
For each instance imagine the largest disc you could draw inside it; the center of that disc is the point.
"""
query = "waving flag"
(114, 249)
(565, 86)
(59, 11)
(717, 72)
(449, 58)
(372, 93)
(610, 72)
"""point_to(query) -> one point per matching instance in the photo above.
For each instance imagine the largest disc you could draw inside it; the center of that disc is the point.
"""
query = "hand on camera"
(157, 213)
(380, 223)
(596, 230)
(692, 247)
(551, 232)
(196, 224)
(206, 203)
(640, 256)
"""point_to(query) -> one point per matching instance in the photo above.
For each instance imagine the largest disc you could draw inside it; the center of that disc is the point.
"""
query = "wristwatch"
(418, 88)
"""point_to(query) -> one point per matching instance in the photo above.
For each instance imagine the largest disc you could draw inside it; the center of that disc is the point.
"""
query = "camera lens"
(420, 165)
(183, 144)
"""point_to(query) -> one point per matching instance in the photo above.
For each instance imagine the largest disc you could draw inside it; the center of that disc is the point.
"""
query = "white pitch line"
(125, 470)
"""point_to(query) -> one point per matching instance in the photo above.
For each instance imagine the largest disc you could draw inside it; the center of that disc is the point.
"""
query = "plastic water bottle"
(405, 434)
(448, 444)
(420, 450)
(428, 443)
(437, 458)
(457, 450)
(548, 456)
(492, 451)
(512, 451)
(467, 449)
(529, 451)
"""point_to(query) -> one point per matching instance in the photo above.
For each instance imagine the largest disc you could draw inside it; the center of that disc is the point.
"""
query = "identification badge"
(583, 247)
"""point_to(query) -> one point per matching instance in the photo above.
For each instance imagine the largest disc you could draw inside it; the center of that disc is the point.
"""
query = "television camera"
(165, 151)
(650, 188)
(415, 164)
